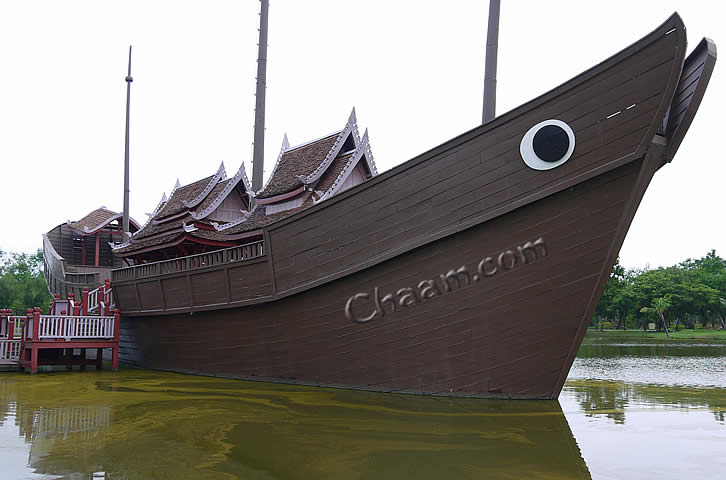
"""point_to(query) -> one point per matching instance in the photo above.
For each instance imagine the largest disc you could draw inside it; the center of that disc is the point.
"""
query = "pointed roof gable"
(342, 167)
(296, 163)
(323, 164)
(220, 192)
(304, 164)
(175, 217)
(219, 176)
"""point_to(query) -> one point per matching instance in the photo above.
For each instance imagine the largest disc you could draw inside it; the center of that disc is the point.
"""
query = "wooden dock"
(33, 339)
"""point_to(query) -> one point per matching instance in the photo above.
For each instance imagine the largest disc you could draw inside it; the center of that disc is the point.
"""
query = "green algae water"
(628, 410)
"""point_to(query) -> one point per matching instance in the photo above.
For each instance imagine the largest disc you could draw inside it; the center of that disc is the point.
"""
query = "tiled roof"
(259, 219)
(331, 174)
(294, 165)
(149, 242)
(212, 195)
(187, 193)
(300, 161)
(97, 218)
(156, 228)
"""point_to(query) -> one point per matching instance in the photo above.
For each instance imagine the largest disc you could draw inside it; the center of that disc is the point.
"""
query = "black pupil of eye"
(551, 143)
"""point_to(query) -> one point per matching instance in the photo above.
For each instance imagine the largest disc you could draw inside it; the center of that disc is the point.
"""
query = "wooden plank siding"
(233, 283)
(484, 338)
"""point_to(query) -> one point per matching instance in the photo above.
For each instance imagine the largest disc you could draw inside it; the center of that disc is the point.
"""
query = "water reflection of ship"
(278, 431)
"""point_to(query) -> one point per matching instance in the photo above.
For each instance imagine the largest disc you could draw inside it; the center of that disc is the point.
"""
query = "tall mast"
(258, 155)
(490, 65)
(125, 226)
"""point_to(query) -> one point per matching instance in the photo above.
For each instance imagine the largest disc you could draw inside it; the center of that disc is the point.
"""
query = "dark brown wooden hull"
(460, 272)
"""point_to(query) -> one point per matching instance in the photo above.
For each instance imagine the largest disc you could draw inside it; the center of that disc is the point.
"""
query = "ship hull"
(505, 329)
(461, 272)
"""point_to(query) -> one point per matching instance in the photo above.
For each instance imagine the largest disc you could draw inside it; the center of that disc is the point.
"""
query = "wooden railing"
(11, 326)
(10, 350)
(192, 262)
(93, 300)
(102, 298)
(76, 327)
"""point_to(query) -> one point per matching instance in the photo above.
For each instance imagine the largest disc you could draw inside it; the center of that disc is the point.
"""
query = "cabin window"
(547, 145)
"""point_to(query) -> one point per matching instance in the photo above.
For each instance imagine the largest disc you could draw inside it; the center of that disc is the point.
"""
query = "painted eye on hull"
(547, 145)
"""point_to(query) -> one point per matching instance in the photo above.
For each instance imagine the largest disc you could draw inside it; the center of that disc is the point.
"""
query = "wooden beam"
(98, 249)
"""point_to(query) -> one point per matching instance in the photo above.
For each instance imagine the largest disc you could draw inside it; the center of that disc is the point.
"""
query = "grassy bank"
(684, 334)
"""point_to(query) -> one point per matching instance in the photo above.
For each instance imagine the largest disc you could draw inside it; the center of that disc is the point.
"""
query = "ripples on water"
(628, 410)
(688, 364)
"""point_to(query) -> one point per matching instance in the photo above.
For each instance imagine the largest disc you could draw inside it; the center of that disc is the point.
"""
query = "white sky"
(413, 70)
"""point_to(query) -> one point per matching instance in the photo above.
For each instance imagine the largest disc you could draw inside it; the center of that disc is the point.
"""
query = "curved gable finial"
(369, 155)
(285, 147)
(150, 216)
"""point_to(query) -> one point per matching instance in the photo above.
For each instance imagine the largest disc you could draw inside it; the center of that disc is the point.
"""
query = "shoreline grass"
(684, 334)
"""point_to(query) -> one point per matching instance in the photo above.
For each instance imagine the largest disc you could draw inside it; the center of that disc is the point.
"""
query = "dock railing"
(192, 262)
(39, 327)
(11, 336)
(10, 350)
(11, 326)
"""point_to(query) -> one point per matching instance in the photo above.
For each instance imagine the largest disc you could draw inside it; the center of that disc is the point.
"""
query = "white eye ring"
(526, 147)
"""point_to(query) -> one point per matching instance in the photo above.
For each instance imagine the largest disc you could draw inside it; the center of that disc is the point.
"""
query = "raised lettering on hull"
(364, 307)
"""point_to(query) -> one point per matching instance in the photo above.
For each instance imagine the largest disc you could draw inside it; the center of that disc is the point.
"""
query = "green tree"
(22, 284)
(660, 306)
(614, 302)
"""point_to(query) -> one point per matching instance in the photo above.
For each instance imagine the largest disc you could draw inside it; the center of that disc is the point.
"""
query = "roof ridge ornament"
(285, 147)
(189, 228)
(224, 226)
(159, 206)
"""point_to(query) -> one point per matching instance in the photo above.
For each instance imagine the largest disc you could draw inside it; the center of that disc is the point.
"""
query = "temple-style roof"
(96, 220)
(174, 219)
(206, 212)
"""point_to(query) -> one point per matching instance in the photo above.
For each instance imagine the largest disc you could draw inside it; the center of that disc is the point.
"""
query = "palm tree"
(660, 305)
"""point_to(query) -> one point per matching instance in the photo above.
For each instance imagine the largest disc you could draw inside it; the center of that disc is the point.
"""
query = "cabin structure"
(77, 254)
(217, 212)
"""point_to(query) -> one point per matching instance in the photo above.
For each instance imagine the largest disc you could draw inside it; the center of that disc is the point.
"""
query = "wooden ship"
(472, 269)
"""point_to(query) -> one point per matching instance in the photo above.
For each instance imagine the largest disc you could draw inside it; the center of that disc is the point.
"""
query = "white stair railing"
(93, 300)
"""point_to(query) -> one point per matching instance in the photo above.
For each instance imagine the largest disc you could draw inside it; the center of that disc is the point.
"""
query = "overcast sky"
(413, 70)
